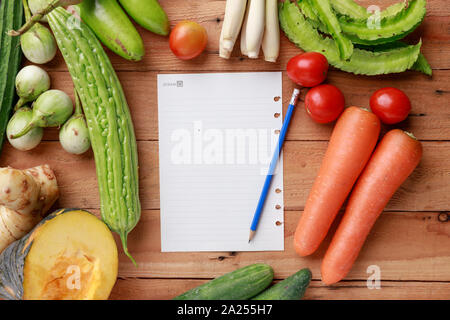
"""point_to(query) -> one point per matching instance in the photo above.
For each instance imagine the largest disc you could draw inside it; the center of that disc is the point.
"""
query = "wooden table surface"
(410, 242)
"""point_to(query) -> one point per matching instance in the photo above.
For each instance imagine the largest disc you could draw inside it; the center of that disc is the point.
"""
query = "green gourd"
(299, 31)
(109, 122)
(240, 284)
(11, 16)
(113, 27)
(148, 14)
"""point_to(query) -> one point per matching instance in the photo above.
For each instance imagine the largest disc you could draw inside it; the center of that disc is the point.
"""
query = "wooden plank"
(436, 43)
(405, 245)
(166, 289)
(428, 119)
(301, 163)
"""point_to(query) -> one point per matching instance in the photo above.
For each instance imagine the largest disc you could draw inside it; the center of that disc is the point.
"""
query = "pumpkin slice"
(71, 254)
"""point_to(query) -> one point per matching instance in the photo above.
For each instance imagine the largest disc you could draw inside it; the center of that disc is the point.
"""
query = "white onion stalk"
(244, 50)
(271, 39)
(255, 27)
(232, 22)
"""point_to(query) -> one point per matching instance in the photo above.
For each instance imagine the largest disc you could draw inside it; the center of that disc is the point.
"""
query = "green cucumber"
(291, 288)
(390, 29)
(112, 26)
(240, 284)
(328, 18)
(109, 122)
(299, 31)
(148, 14)
(11, 17)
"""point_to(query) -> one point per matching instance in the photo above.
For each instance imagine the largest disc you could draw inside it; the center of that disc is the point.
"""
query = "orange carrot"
(352, 142)
(394, 159)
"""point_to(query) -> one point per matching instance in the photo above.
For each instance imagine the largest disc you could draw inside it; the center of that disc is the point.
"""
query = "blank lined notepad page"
(217, 134)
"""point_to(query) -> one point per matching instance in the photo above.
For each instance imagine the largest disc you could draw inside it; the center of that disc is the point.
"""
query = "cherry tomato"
(187, 40)
(324, 103)
(308, 69)
(391, 105)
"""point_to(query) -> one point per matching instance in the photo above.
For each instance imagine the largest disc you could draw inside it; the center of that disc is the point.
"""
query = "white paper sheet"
(217, 133)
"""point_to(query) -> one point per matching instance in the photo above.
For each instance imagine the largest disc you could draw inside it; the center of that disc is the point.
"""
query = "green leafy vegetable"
(329, 19)
(299, 31)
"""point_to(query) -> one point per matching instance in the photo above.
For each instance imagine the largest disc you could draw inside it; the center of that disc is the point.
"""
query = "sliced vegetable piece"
(299, 31)
(68, 245)
(394, 159)
(328, 18)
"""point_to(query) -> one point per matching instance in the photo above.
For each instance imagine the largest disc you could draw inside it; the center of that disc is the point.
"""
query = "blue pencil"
(273, 164)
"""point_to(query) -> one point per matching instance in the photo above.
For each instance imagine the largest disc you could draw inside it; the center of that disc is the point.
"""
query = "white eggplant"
(18, 121)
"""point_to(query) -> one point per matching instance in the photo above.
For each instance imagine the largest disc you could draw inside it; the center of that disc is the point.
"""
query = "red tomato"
(324, 103)
(308, 69)
(391, 105)
(187, 40)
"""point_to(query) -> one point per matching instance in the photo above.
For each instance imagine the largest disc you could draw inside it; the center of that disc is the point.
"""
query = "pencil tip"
(250, 237)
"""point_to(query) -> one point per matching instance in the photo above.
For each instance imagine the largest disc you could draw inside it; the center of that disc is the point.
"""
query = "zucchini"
(299, 31)
(240, 284)
(109, 122)
(11, 17)
(113, 27)
(328, 18)
(291, 288)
